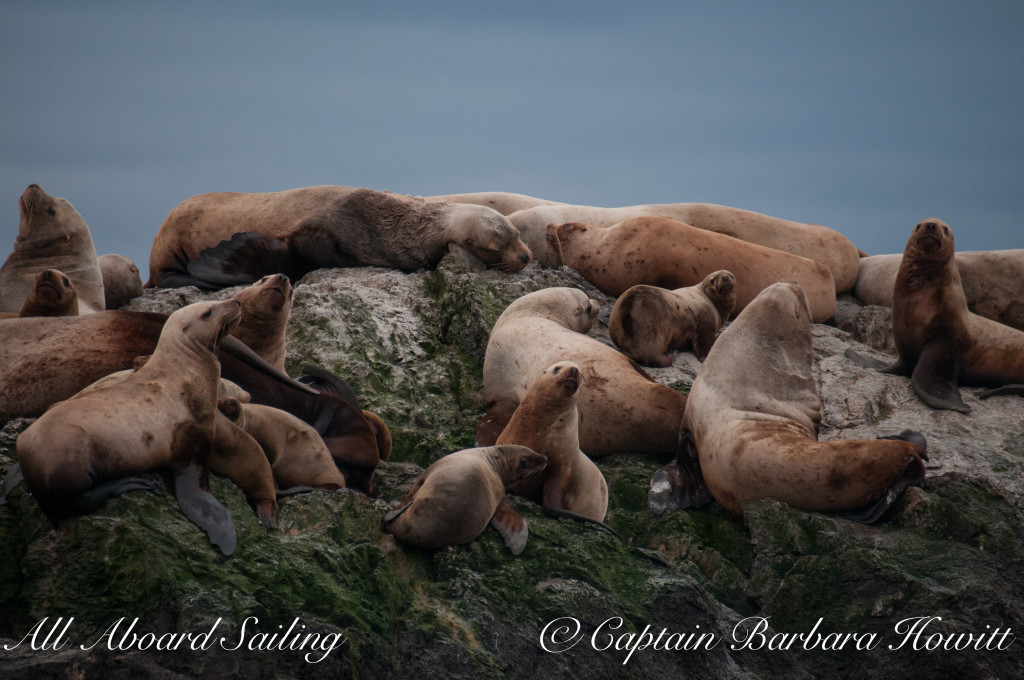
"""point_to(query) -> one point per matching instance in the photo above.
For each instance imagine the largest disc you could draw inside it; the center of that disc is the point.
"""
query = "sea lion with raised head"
(266, 305)
(225, 239)
(53, 294)
(455, 498)
(648, 323)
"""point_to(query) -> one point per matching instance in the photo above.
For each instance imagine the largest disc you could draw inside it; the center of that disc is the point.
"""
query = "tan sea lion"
(648, 323)
(265, 308)
(621, 408)
(753, 411)
(52, 295)
(939, 341)
(992, 279)
(502, 201)
(657, 251)
(85, 450)
(812, 241)
(121, 280)
(548, 422)
(51, 235)
(454, 499)
(297, 454)
(224, 239)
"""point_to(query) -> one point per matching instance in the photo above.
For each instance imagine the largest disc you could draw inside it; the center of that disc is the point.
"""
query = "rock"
(412, 345)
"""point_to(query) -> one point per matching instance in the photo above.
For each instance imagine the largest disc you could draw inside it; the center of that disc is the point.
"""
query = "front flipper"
(12, 480)
(203, 508)
(895, 368)
(934, 376)
(680, 484)
(243, 259)
(912, 476)
(512, 526)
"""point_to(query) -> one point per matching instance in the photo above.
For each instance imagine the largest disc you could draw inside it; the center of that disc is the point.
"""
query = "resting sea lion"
(547, 422)
(992, 279)
(812, 241)
(84, 450)
(752, 413)
(454, 499)
(502, 201)
(657, 251)
(621, 408)
(265, 308)
(648, 323)
(224, 239)
(939, 341)
(121, 280)
(51, 235)
(53, 294)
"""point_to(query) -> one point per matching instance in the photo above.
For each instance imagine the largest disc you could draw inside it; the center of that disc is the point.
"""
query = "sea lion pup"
(52, 295)
(812, 241)
(993, 281)
(454, 499)
(648, 323)
(51, 235)
(266, 305)
(657, 251)
(224, 239)
(753, 410)
(621, 408)
(939, 342)
(502, 201)
(121, 280)
(548, 422)
(297, 454)
(84, 450)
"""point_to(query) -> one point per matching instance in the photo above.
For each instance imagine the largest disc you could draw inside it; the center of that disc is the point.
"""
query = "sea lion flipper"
(512, 526)
(680, 484)
(11, 480)
(325, 381)
(294, 491)
(494, 421)
(244, 258)
(104, 491)
(999, 391)
(934, 377)
(895, 368)
(203, 508)
(913, 476)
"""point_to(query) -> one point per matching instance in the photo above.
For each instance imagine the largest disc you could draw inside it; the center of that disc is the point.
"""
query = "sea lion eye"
(207, 314)
(945, 230)
(557, 369)
(67, 281)
(51, 212)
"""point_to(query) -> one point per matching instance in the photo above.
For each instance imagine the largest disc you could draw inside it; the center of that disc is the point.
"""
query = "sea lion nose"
(282, 278)
(930, 226)
(525, 258)
(574, 372)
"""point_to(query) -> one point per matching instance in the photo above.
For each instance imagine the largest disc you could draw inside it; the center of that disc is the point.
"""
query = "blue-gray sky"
(863, 116)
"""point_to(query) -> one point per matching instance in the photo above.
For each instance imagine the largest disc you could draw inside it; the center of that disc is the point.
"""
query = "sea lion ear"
(230, 407)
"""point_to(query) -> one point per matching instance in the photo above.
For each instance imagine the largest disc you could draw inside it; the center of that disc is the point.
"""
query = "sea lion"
(51, 235)
(502, 201)
(752, 414)
(812, 241)
(992, 279)
(121, 280)
(940, 343)
(297, 454)
(621, 408)
(454, 499)
(661, 252)
(648, 323)
(85, 449)
(548, 422)
(224, 239)
(53, 294)
(265, 308)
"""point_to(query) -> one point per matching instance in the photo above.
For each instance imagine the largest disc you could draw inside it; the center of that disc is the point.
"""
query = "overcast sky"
(863, 116)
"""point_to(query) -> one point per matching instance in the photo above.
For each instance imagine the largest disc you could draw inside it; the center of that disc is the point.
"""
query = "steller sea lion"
(121, 280)
(502, 201)
(265, 308)
(53, 294)
(454, 499)
(648, 323)
(224, 239)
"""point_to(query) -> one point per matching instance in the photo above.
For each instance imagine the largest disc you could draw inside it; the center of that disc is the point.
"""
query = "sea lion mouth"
(570, 382)
(49, 290)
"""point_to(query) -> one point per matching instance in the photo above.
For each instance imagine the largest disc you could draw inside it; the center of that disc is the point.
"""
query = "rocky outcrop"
(412, 345)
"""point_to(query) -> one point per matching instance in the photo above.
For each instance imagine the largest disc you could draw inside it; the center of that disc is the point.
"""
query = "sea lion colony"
(547, 384)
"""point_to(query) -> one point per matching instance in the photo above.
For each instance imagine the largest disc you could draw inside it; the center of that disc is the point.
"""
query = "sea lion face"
(558, 233)
(559, 382)
(54, 288)
(205, 323)
(267, 297)
(45, 220)
(515, 464)
(719, 284)
(496, 241)
(584, 314)
(931, 240)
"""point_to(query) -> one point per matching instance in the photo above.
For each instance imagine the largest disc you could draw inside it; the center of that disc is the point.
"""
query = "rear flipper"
(559, 512)
(244, 258)
(494, 421)
(895, 368)
(912, 476)
(325, 381)
(203, 508)
(512, 526)
(99, 494)
(999, 391)
(680, 484)
(12, 480)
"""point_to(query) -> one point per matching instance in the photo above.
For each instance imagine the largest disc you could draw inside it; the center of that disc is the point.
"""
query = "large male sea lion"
(752, 414)
(939, 341)
(812, 241)
(993, 281)
(621, 408)
(504, 202)
(121, 280)
(648, 323)
(224, 239)
(85, 450)
(657, 251)
(51, 235)
(548, 422)
(456, 497)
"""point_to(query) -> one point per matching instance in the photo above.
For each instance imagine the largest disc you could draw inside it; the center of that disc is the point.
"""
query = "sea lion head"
(557, 234)
(559, 383)
(47, 222)
(569, 307)
(930, 241)
(202, 324)
(784, 300)
(52, 295)
(492, 237)
(720, 287)
(267, 299)
(515, 463)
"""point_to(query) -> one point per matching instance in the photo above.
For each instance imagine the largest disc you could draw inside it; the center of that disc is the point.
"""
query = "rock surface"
(412, 346)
